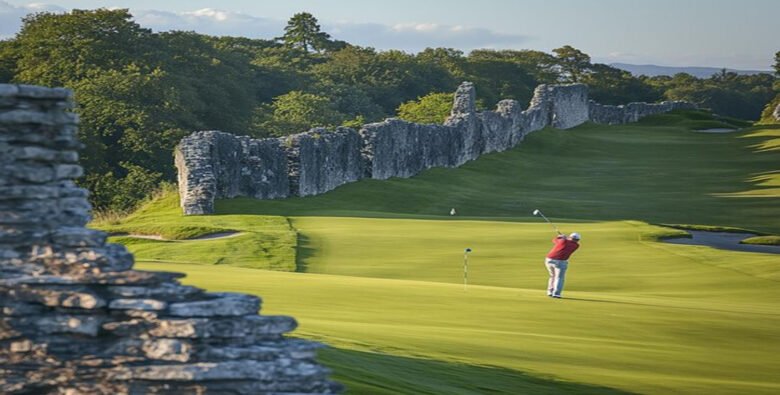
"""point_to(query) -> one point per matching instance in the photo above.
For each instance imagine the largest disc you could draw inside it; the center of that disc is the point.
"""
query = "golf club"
(466, 268)
(537, 212)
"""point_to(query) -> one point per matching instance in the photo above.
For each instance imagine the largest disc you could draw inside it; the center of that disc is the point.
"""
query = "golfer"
(557, 262)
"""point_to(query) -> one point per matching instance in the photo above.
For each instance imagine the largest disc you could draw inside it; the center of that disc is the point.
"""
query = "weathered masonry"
(75, 318)
(214, 165)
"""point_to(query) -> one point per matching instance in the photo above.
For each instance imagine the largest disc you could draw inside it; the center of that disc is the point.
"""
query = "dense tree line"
(140, 92)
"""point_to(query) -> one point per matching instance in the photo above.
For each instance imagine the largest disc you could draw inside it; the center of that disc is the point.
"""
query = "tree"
(777, 63)
(431, 108)
(573, 63)
(303, 32)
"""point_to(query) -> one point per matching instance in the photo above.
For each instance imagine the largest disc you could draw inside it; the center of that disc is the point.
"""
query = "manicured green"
(762, 240)
(380, 267)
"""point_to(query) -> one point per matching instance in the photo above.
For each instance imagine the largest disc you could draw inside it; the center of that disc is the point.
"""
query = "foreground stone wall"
(75, 318)
(216, 165)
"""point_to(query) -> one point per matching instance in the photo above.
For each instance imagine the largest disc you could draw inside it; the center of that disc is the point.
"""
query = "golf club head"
(468, 249)
(536, 212)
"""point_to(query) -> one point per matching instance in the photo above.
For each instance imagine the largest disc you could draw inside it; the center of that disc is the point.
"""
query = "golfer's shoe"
(557, 296)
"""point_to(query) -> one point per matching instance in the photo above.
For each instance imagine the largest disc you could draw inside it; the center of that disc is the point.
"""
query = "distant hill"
(652, 70)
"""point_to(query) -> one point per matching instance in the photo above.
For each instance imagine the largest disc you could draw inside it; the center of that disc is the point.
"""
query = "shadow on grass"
(303, 251)
(372, 373)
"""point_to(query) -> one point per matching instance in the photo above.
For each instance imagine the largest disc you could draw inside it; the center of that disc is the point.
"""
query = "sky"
(740, 34)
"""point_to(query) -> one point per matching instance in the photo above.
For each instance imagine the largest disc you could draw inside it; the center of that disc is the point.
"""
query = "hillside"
(379, 266)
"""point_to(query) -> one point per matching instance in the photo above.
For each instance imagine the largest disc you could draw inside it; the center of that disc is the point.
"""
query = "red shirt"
(563, 249)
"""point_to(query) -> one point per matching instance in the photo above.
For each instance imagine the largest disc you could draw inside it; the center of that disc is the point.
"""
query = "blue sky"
(737, 34)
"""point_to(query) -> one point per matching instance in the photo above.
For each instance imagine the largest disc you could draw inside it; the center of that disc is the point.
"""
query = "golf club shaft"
(549, 222)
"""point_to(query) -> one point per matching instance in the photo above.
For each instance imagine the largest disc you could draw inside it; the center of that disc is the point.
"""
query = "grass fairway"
(695, 340)
(379, 266)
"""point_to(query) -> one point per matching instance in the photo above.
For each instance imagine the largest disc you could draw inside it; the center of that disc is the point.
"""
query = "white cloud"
(11, 15)
(418, 36)
(210, 21)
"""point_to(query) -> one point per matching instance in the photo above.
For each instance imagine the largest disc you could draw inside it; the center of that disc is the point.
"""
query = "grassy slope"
(643, 172)
(266, 242)
(383, 272)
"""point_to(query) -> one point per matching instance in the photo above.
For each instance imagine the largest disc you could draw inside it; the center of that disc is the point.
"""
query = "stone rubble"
(215, 165)
(75, 318)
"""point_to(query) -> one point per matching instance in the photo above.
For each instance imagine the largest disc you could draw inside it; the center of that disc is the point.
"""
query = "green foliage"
(431, 108)
(9, 54)
(56, 49)
(725, 93)
(573, 63)
(121, 192)
(482, 67)
(608, 85)
(297, 112)
(777, 63)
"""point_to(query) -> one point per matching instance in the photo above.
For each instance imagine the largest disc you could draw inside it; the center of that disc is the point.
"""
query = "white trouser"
(557, 270)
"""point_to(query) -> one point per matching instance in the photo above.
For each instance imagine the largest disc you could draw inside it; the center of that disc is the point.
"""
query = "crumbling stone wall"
(215, 165)
(319, 161)
(632, 112)
(76, 318)
(568, 104)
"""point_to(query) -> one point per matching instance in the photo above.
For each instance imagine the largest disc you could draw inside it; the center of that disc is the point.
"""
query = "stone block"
(253, 326)
(223, 304)
(137, 304)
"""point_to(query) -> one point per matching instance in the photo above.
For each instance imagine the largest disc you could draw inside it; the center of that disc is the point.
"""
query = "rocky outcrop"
(211, 164)
(76, 318)
(776, 113)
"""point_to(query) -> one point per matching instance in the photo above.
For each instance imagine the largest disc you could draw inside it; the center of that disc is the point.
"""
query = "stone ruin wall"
(76, 318)
(214, 165)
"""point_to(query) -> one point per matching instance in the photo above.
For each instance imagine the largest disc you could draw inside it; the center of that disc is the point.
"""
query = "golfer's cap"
(575, 236)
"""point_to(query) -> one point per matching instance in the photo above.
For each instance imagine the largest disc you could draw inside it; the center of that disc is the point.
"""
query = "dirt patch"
(212, 236)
